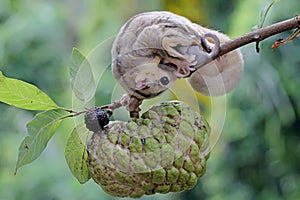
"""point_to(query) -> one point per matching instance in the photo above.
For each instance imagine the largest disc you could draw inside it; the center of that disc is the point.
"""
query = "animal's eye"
(164, 80)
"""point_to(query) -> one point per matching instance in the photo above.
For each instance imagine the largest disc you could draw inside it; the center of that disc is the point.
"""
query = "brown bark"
(260, 34)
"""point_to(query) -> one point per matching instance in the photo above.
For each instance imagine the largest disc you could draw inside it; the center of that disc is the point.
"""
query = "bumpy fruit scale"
(163, 151)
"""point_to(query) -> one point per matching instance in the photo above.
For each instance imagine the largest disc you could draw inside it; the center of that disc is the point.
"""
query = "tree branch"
(260, 34)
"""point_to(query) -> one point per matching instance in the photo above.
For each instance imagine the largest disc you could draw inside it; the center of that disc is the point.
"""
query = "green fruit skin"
(163, 151)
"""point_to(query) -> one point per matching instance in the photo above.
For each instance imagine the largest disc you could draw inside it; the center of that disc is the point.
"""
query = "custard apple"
(163, 151)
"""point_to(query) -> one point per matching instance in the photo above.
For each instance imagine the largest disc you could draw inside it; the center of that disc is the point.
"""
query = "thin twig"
(260, 34)
(73, 115)
(280, 42)
(67, 110)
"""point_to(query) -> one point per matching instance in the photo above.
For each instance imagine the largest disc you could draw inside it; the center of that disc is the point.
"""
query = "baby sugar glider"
(154, 49)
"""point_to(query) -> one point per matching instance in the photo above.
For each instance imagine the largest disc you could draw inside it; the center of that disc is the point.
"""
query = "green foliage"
(76, 153)
(24, 95)
(40, 130)
(82, 79)
(264, 12)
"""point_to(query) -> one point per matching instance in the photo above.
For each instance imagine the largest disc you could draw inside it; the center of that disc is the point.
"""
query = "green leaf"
(24, 95)
(264, 12)
(82, 79)
(76, 153)
(40, 130)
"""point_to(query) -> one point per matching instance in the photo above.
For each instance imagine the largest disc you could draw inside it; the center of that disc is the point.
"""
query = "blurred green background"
(258, 153)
